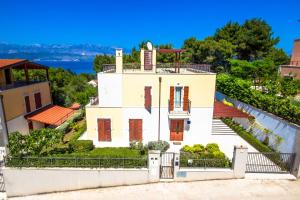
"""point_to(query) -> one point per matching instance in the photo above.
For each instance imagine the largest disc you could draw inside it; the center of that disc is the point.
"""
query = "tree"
(288, 87)
(278, 56)
(100, 60)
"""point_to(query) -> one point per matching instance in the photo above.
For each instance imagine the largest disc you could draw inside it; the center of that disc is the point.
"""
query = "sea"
(75, 66)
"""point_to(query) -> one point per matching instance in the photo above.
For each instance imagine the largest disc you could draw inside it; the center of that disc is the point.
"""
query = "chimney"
(148, 60)
(119, 61)
(295, 60)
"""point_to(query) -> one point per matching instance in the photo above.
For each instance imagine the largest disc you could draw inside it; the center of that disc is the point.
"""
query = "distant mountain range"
(55, 52)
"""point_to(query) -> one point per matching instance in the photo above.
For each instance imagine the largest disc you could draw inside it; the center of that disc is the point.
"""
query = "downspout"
(159, 98)
(5, 131)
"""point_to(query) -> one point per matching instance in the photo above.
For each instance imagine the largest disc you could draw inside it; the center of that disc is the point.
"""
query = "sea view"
(75, 66)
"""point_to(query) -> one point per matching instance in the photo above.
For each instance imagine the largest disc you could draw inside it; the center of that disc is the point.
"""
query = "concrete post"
(296, 166)
(142, 59)
(154, 60)
(239, 161)
(154, 165)
(119, 61)
(176, 164)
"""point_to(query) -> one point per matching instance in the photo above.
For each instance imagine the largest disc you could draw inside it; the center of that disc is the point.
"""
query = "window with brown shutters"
(27, 104)
(38, 100)
(171, 101)
(186, 98)
(135, 129)
(104, 130)
(148, 98)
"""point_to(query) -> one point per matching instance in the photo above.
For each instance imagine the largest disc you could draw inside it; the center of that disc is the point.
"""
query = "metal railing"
(193, 160)
(109, 68)
(178, 106)
(269, 162)
(17, 84)
(94, 100)
(76, 162)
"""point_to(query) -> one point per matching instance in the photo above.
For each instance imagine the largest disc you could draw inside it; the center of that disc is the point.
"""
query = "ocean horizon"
(77, 67)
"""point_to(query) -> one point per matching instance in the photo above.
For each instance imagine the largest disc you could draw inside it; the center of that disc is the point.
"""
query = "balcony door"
(176, 130)
(178, 97)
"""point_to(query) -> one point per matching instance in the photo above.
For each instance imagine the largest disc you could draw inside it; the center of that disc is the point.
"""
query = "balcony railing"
(17, 84)
(94, 101)
(179, 106)
(162, 67)
(296, 63)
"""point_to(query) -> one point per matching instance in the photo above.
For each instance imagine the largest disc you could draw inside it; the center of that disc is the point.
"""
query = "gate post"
(154, 165)
(176, 164)
(239, 162)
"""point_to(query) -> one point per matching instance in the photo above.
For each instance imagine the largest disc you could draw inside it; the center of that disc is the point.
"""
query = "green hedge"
(251, 139)
(240, 89)
(81, 145)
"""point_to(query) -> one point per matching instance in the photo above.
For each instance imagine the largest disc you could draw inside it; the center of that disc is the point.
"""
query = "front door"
(176, 130)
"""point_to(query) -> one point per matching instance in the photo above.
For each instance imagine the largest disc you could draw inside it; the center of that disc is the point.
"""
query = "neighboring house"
(26, 104)
(293, 69)
(152, 101)
(93, 83)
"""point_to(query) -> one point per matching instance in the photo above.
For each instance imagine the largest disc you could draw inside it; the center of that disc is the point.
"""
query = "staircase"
(219, 128)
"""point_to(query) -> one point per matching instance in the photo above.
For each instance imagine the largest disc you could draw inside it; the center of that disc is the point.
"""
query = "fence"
(77, 162)
(270, 162)
(189, 160)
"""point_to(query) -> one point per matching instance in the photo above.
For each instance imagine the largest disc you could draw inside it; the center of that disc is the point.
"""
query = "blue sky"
(125, 23)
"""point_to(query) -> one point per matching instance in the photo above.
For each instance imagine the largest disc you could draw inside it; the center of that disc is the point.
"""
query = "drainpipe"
(159, 98)
(5, 130)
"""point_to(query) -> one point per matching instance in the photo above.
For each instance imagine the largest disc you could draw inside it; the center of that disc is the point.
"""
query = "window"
(7, 76)
(38, 100)
(178, 91)
(104, 130)
(135, 129)
(148, 98)
(27, 104)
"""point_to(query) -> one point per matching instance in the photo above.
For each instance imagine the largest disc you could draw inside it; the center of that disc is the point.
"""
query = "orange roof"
(75, 106)
(222, 110)
(53, 115)
(7, 62)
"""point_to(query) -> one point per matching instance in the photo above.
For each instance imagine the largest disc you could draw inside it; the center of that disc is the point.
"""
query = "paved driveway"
(222, 189)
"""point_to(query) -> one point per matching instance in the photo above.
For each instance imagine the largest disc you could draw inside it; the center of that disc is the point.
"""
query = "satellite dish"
(149, 46)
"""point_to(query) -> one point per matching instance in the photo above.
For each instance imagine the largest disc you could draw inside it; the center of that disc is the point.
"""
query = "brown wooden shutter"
(107, 126)
(148, 60)
(27, 104)
(131, 129)
(104, 130)
(171, 103)
(173, 130)
(186, 99)
(139, 130)
(38, 100)
(148, 98)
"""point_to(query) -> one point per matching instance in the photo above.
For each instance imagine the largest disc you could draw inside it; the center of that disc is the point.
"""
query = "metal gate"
(167, 165)
(2, 187)
(270, 162)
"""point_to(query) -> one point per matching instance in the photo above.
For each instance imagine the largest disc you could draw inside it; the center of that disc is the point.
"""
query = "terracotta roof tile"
(53, 115)
(222, 110)
(7, 62)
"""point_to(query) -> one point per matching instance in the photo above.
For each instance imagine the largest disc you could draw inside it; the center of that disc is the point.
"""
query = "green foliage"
(57, 149)
(240, 89)
(79, 130)
(65, 127)
(102, 59)
(251, 139)
(81, 145)
(212, 147)
(34, 143)
(109, 152)
(158, 145)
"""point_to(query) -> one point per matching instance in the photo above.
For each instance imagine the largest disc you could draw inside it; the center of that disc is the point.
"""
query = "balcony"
(17, 84)
(161, 68)
(94, 101)
(179, 109)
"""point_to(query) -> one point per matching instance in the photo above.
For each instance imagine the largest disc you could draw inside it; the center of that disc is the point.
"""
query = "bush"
(251, 139)
(65, 127)
(110, 152)
(78, 115)
(57, 149)
(82, 145)
(138, 146)
(80, 130)
(159, 145)
(212, 147)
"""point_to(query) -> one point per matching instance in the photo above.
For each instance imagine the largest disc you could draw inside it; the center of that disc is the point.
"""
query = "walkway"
(222, 189)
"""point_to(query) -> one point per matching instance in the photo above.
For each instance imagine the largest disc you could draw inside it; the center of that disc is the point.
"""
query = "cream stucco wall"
(14, 102)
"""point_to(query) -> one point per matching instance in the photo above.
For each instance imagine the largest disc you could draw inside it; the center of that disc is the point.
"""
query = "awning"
(52, 115)
(222, 110)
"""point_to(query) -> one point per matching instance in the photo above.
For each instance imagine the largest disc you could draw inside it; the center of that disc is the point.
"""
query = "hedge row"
(241, 90)
(251, 139)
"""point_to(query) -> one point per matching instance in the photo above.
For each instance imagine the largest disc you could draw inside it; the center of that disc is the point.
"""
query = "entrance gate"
(167, 165)
(269, 162)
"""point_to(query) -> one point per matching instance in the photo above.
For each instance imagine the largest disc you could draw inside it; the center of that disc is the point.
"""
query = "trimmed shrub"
(158, 145)
(212, 147)
(80, 130)
(65, 127)
(82, 145)
(57, 149)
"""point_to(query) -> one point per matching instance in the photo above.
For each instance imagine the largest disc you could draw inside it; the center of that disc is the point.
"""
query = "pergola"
(177, 53)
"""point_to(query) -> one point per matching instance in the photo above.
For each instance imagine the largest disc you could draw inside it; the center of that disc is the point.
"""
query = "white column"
(119, 61)
(142, 59)
(154, 165)
(154, 60)
(239, 161)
